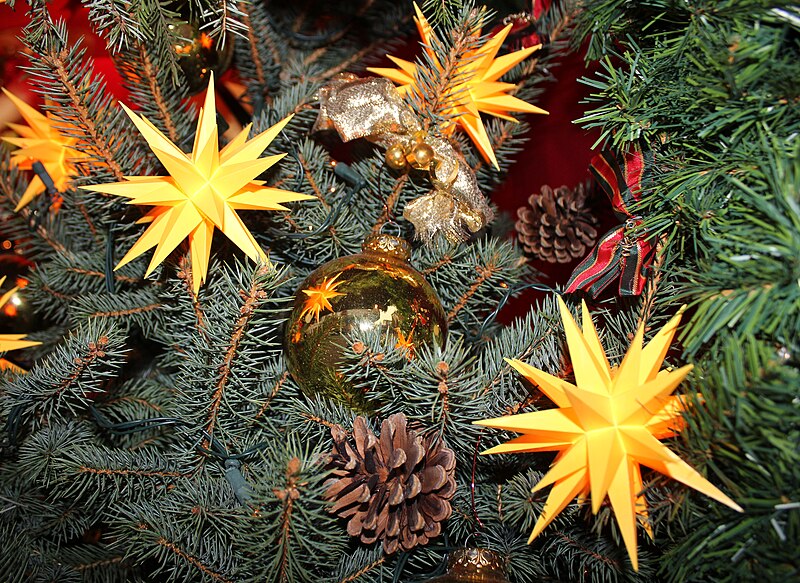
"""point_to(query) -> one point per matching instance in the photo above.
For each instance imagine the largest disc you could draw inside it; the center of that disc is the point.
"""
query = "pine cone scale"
(398, 459)
(359, 494)
(396, 495)
(433, 478)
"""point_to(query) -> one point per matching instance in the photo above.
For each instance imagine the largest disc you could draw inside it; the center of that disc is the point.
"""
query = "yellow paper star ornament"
(41, 141)
(203, 191)
(476, 89)
(606, 425)
(9, 342)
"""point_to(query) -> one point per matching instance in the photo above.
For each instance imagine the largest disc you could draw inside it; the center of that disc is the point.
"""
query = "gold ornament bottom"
(199, 54)
(376, 292)
(473, 565)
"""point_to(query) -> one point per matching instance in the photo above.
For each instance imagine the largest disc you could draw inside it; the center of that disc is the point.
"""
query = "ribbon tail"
(633, 268)
(601, 266)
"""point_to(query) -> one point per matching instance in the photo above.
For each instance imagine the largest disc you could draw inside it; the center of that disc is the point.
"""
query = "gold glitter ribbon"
(372, 108)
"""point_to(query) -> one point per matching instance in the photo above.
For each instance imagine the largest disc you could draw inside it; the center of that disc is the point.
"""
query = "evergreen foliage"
(712, 88)
(158, 435)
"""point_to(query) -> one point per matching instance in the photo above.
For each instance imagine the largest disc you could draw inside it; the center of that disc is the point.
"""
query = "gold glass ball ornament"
(376, 292)
(199, 54)
(474, 565)
(421, 156)
(396, 157)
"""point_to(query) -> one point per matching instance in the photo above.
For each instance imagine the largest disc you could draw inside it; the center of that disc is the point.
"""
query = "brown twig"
(330, 42)
(56, 294)
(309, 176)
(123, 472)
(185, 275)
(320, 420)
(598, 556)
(288, 495)
(363, 570)
(128, 312)
(652, 287)
(194, 561)
(497, 144)
(342, 66)
(275, 389)
(449, 76)
(506, 367)
(89, 221)
(57, 62)
(252, 297)
(253, 42)
(95, 564)
(91, 273)
(158, 97)
(445, 260)
(11, 194)
(484, 273)
(391, 202)
(96, 350)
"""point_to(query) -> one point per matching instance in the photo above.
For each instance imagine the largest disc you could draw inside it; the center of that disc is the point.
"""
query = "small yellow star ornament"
(606, 425)
(476, 89)
(9, 342)
(204, 190)
(41, 141)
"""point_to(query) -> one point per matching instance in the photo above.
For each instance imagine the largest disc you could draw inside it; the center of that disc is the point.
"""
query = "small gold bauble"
(473, 565)
(396, 157)
(199, 54)
(421, 156)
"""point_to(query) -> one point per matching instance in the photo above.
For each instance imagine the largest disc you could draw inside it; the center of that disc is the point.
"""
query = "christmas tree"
(269, 295)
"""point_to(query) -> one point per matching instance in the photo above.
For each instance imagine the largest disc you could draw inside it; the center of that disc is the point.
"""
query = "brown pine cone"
(558, 226)
(395, 488)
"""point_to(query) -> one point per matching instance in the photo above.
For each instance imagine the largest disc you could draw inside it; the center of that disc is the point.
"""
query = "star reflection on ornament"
(319, 298)
(405, 342)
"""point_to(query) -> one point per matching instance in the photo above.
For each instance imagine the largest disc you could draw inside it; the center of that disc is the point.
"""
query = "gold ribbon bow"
(372, 108)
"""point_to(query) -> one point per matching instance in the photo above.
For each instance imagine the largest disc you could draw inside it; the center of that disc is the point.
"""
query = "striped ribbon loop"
(624, 252)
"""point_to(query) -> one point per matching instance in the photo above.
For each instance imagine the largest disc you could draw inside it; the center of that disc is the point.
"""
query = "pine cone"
(558, 225)
(395, 488)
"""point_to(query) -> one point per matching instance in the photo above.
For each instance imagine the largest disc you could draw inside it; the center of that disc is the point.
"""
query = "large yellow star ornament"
(204, 190)
(606, 425)
(476, 89)
(41, 141)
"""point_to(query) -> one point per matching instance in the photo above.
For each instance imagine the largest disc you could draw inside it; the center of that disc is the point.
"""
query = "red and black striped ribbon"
(618, 254)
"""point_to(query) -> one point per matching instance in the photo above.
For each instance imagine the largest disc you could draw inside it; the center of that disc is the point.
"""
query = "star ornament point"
(41, 141)
(605, 427)
(203, 190)
(9, 342)
(476, 88)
